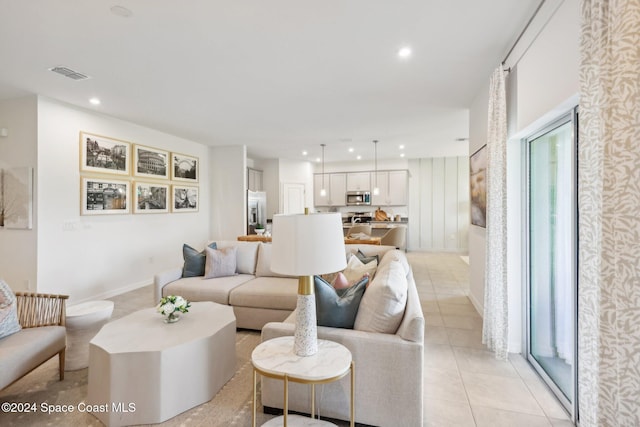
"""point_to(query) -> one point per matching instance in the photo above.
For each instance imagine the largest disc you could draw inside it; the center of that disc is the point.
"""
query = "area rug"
(230, 407)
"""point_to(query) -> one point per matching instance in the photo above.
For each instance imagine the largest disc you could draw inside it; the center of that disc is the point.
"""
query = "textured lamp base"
(306, 333)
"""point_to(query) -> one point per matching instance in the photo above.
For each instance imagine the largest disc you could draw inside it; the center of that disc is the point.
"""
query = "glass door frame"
(570, 406)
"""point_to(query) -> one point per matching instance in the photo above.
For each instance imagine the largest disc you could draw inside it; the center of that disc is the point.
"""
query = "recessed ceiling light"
(304, 153)
(94, 101)
(121, 11)
(351, 149)
(401, 154)
(405, 52)
(359, 157)
(401, 146)
(317, 159)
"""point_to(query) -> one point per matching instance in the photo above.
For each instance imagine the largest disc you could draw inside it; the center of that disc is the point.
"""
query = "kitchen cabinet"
(393, 188)
(254, 179)
(336, 186)
(359, 181)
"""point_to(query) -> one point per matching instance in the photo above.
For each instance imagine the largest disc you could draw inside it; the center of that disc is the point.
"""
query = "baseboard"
(114, 292)
(479, 307)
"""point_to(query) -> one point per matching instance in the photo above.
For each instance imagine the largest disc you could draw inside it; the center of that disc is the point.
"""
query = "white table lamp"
(305, 245)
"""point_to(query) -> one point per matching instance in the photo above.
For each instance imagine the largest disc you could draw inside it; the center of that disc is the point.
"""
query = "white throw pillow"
(356, 269)
(220, 262)
(383, 304)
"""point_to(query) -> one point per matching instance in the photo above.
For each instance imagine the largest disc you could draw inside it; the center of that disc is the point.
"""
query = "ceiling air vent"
(68, 72)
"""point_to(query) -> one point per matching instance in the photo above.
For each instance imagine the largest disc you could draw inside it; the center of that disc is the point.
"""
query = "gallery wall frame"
(102, 154)
(16, 198)
(103, 196)
(478, 186)
(184, 168)
(185, 198)
(150, 197)
(150, 162)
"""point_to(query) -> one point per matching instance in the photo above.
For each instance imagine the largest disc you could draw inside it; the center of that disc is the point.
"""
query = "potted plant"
(259, 228)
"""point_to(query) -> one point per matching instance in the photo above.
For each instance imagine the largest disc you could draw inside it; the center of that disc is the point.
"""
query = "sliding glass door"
(552, 256)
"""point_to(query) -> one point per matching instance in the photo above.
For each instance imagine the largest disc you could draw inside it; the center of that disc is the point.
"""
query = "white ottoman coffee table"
(145, 371)
(83, 321)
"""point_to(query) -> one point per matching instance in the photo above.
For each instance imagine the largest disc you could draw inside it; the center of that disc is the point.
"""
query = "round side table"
(83, 322)
(275, 359)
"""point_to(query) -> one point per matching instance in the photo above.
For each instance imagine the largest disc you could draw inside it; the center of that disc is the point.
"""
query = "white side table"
(275, 359)
(83, 322)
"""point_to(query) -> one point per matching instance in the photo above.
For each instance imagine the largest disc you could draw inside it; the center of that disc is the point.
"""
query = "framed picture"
(150, 197)
(185, 198)
(104, 196)
(104, 155)
(478, 187)
(150, 162)
(16, 198)
(184, 168)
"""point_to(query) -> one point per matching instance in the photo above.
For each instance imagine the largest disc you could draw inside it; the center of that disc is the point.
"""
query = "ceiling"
(278, 76)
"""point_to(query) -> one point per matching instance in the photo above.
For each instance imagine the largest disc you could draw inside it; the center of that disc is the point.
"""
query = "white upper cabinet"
(393, 188)
(254, 179)
(335, 185)
(359, 181)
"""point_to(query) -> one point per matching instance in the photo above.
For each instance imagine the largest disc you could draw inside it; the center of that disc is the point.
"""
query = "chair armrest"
(35, 309)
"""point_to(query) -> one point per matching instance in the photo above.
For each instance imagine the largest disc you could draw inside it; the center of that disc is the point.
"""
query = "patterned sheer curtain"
(494, 328)
(609, 224)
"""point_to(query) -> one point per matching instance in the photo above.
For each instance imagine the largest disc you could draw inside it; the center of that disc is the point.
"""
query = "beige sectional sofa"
(388, 365)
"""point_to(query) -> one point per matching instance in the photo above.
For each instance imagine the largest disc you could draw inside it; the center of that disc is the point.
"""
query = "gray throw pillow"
(338, 308)
(366, 259)
(8, 311)
(194, 260)
(220, 262)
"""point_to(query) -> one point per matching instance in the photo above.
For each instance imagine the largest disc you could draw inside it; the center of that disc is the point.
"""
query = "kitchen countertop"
(378, 224)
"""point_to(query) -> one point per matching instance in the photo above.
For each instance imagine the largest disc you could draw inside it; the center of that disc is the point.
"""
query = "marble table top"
(276, 357)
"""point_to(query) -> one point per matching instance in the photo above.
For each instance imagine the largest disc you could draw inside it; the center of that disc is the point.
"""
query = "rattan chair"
(395, 237)
(360, 228)
(36, 311)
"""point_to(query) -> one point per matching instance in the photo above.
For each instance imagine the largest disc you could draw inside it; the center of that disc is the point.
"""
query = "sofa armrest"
(162, 279)
(388, 372)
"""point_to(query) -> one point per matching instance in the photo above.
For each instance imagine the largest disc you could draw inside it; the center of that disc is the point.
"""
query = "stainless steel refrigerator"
(256, 210)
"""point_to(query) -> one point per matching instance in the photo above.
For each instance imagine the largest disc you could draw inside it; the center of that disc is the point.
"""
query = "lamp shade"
(305, 245)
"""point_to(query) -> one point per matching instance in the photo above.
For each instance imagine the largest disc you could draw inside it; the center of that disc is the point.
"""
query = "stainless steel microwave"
(358, 198)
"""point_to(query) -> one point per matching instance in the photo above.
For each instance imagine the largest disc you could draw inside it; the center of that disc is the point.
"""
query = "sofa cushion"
(382, 306)
(246, 255)
(356, 269)
(337, 308)
(20, 353)
(200, 289)
(194, 260)
(220, 262)
(278, 293)
(8, 311)
(263, 266)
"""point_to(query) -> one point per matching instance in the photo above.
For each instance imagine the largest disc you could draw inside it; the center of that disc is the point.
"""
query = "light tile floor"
(464, 385)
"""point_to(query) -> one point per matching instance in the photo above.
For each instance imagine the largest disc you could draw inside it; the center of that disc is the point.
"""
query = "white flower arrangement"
(172, 304)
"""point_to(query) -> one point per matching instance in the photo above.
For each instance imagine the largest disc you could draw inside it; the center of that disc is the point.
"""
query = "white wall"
(228, 178)
(546, 84)
(90, 257)
(19, 149)
(439, 204)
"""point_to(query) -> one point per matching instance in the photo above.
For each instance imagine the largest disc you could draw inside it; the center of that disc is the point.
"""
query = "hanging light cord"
(375, 159)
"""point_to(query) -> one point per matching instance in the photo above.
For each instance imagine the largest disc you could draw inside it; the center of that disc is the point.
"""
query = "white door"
(293, 198)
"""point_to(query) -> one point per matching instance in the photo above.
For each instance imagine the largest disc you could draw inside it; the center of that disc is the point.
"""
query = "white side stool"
(83, 322)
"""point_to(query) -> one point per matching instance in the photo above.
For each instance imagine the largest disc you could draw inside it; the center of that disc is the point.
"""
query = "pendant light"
(376, 190)
(323, 191)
